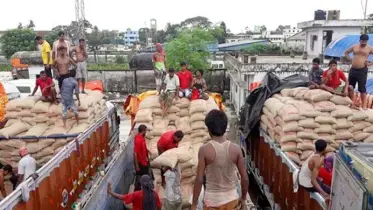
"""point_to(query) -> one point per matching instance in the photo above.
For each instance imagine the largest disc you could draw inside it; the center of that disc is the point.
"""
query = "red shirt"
(141, 150)
(136, 198)
(185, 79)
(44, 83)
(334, 79)
(326, 176)
(166, 141)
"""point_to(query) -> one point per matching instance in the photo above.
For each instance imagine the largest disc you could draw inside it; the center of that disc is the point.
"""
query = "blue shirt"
(315, 75)
(67, 89)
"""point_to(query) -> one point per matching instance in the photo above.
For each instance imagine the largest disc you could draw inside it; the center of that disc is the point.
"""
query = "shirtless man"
(81, 57)
(62, 63)
(7, 169)
(359, 69)
(61, 42)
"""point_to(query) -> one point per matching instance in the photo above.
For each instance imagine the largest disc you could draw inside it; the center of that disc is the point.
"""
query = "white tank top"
(305, 174)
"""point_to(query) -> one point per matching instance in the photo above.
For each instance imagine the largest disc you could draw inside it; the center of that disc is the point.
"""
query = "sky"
(121, 14)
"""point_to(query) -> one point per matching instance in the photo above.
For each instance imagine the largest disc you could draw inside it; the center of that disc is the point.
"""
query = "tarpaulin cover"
(369, 86)
(271, 84)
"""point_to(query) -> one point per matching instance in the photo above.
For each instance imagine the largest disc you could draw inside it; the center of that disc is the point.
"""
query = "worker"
(62, 64)
(81, 62)
(46, 84)
(169, 90)
(185, 79)
(173, 199)
(199, 86)
(325, 174)
(359, 68)
(144, 199)
(315, 74)
(69, 86)
(309, 171)
(167, 141)
(141, 156)
(159, 65)
(331, 81)
(61, 42)
(46, 55)
(7, 169)
(26, 166)
(218, 160)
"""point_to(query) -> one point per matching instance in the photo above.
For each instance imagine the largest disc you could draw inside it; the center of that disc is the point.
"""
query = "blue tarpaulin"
(338, 47)
(370, 86)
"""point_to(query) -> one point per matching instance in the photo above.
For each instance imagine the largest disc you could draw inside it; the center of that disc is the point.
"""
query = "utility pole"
(80, 18)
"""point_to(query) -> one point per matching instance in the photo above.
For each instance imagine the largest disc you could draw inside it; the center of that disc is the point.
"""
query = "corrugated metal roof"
(338, 47)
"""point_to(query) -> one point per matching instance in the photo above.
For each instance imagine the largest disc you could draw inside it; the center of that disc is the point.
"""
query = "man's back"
(27, 166)
(68, 87)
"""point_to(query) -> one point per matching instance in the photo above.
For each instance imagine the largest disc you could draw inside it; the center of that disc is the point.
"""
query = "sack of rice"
(26, 113)
(306, 154)
(294, 157)
(58, 143)
(273, 105)
(150, 102)
(28, 103)
(15, 143)
(198, 125)
(13, 105)
(326, 136)
(325, 120)
(339, 100)
(197, 117)
(198, 105)
(173, 117)
(41, 107)
(359, 126)
(325, 106)
(360, 136)
(369, 139)
(308, 123)
(168, 158)
(300, 94)
(173, 109)
(12, 115)
(36, 130)
(326, 128)
(285, 92)
(341, 111)
(291, 126)
(288, 146)
(43, 160)
(14, 129)
(184, 126)
(343, 135)
(357, 116)
(288, 136)
(342, 123)
(56, 130)
(44, 152)
(158, 111)
(182, 103)
(317, 95)
(289, 112)
(144, 115)
(369, 112)
(306, 146)
(10, 122)
(307, 134)
(184, 112)
(368, 129)
(294, 91)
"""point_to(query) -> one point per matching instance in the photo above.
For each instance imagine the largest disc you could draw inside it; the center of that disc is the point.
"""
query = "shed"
(236, 46)
(337, 48)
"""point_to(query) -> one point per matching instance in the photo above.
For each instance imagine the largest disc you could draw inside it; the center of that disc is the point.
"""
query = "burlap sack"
(308, 123)
(325, 120)
(325, 106)
(274, 105)
(183, 103)
(306, 154)
(291, 126)
(317, 95)
(339, 100)
(294, 157)
(343, 135)
(13, 105)
(307, 135)
(44, 152)
(173, 109)
(14, 129)
(28, 103)
(184, 112)
(198, 125)
(168, 158)
(150, 102)
(342, 123)
(11, 122)
(325, 128)
(368, 129)
(41, 107)
(55, 131)
(306, 146)
(36, 130)
(26, 113)
(341, 111)
(289, 146)
(197, 117)
(15, 143)
(360, 136)
(285, 92)
(294, 91)
(360, 125)
(357, 116)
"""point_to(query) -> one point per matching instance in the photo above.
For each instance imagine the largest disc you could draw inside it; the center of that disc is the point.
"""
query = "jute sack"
(288, 136)
(37, 130)
(288, 147)
(342, 123)
(15, 143)
(58, 143)
(306, 154)
(197, 117)
(158, 111)
(343, 135)
(341, 111)
(14, 129)
(294, 157)
(317, 95)
(184, 112)
(306, 146)
(357, 116)
(4, 147)
(173, 109)
(263, 126)
(78, 128)
(197, 108)
(369, 112)
(183, 103)
(13, 105)
(308, 123)
(291, 126)
(325, 128)
(56, 130)
(144, 115)
(185, 127)
(26, 113)
(369, 139)
(150, 102)
(45, 152)
(360, 136)
(198, 125)
(28, 103)
(307, 135)
(184, 154)
(168, 158)
(12, 115)
(294, 91)
(325, 106)
(273, 105)
(360, 125)
(10, 122)
(325, 120)
(173, 117)
(285, 92)
(300, 94)
(43, 160)
(368, 129)
(326, 136)
(339, 100)
(41, 107)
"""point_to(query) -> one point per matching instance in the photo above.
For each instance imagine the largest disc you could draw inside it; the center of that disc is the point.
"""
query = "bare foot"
(83, 92)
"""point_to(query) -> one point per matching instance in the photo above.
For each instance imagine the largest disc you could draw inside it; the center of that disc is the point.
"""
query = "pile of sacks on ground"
(29, 117)
(296, 118)
(187, 116)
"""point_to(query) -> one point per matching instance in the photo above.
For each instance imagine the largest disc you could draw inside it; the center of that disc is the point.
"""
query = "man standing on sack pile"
(141, 156)
(81, 62)
(218, 160)
(167, 141)
(69, 86)
(359, 69)
(169, 91)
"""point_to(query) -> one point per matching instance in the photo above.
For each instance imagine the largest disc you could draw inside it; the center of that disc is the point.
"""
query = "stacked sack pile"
(187, 116)
(297, 117)
(32, 118)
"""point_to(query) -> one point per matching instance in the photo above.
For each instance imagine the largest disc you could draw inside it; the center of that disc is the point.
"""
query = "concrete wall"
(135, 81)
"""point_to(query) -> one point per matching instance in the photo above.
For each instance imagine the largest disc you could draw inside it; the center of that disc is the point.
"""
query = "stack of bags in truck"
(187, 116)
(297, 117)
(32, 118)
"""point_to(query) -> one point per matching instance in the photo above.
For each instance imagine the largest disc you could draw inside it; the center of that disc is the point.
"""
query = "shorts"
(66, 105)
(167, 97)
(184, 93)
(358, 76)
(81, 70)
(233, 205)
(48, 70)
(172, 205)
(60, 80)
(309, 189)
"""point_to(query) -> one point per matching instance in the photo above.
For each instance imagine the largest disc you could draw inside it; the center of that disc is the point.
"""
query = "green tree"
(222, 34)
(51, 37)
(17, 40)
(190, 45)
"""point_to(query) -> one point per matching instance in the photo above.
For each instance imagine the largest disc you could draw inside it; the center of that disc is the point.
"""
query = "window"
(24, 89)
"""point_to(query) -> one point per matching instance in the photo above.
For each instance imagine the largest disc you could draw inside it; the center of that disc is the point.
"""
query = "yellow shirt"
(45, 52)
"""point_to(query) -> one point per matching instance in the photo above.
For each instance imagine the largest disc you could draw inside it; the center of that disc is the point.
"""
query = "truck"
(271, 168)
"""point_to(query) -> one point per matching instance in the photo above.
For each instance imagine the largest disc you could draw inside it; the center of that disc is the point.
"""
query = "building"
(319, 33)
(296, 42)
(276, 37)
(238, 37)
(130, 37)
(290, 31)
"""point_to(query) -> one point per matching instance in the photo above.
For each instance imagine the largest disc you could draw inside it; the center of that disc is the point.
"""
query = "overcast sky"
(121, 14)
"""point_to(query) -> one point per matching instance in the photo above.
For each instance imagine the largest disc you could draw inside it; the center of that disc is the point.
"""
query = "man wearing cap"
(359, 68)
